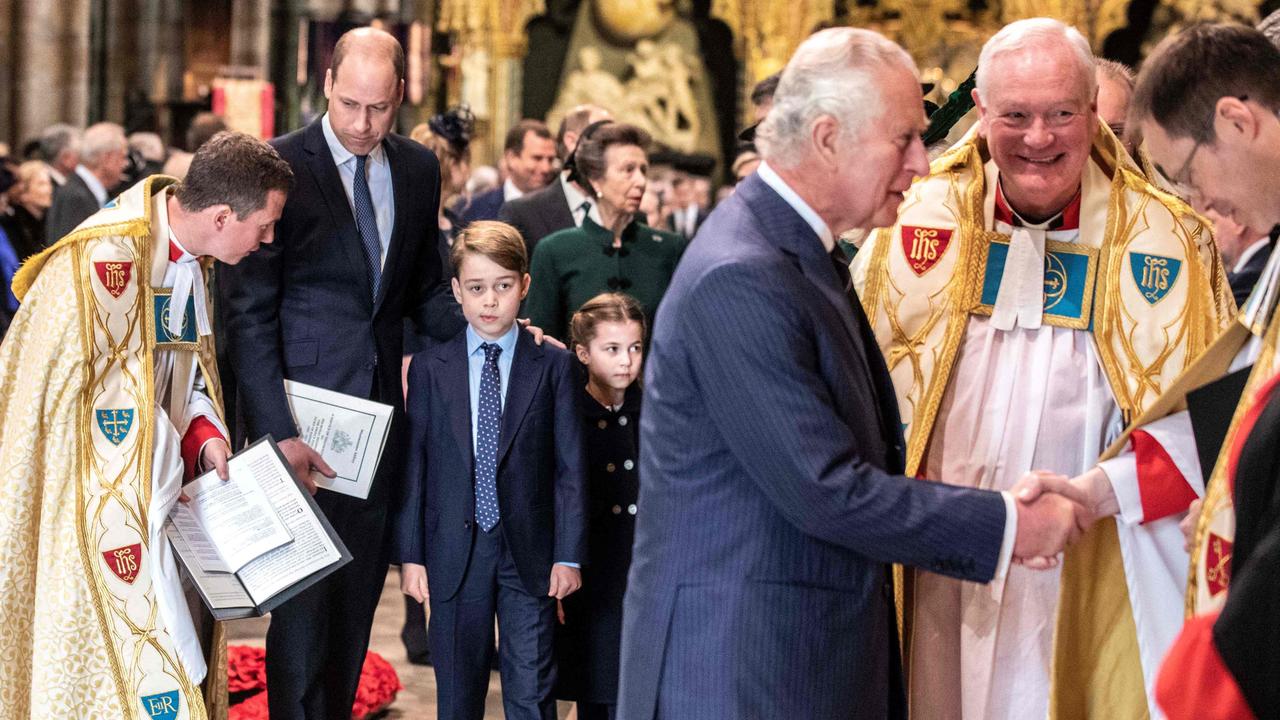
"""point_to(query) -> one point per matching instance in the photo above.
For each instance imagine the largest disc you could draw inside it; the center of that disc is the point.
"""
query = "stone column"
(251, 34)
(49, 68)
(7, 54)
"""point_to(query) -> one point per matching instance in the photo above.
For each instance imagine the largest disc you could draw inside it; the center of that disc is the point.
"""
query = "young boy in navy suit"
(493, 521)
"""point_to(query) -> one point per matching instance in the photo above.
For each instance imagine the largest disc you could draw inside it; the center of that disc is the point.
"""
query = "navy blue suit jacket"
(484, 206)
(541, 467)
(302, 307)
(771, 494)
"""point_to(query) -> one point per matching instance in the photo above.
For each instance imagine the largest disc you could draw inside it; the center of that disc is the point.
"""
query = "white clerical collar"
(1249, 252)
(510, 191)
(339, 151)
(798, 204)
(95, 185)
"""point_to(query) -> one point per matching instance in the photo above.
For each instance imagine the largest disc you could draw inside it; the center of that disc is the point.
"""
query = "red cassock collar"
(1068, 219)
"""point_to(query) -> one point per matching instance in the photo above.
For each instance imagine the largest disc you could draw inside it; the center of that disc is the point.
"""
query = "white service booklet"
(240, 527)
(348, 432)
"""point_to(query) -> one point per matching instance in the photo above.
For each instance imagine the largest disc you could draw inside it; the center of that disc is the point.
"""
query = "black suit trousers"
(317, 641)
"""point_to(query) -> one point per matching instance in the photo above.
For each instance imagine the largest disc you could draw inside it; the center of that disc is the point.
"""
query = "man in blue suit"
(529, 154)
(772, 500)
(355, 255)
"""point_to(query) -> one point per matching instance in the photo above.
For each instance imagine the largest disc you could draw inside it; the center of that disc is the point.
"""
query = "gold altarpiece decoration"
(944, 36)
(490, 43)
(766, 32)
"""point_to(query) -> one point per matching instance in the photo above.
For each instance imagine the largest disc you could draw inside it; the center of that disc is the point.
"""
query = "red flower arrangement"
(247, 685)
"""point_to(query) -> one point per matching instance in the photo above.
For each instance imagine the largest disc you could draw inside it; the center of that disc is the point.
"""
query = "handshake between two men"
(1054, 511)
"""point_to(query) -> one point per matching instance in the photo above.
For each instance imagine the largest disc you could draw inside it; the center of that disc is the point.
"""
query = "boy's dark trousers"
(460, 635)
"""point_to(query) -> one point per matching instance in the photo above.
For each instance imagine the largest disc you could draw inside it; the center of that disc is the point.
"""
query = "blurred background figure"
(149, 153)
(203, 126)
(1115, 87)
(178, 163)
(529, 155)
(624, 254)
(484, 178)
(60, 149)
(104, 154)
(563, 203)
(29, 201)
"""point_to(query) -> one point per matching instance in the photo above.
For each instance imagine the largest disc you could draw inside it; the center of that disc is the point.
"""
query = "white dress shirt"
(574, 198)
(1249, 252)
(95, 185)
(510, 191)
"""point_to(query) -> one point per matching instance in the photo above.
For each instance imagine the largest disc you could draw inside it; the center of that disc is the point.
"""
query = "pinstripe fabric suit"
(771, 498)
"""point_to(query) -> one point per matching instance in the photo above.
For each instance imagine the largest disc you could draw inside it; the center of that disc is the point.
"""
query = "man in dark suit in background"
(773, 496)
(60, 150)
(1247, 264)
(355, 254)
(529, 155)
(563, 203)
(103, 156)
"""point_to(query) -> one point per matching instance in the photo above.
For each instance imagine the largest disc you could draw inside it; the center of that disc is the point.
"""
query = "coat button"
(602, 424)
(610, 467)
(466, 524)
(631, 509)
(628, 465)
(622, 421)
(617, 509)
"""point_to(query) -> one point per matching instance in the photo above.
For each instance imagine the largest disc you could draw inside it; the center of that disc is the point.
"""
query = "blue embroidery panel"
(115, 424)
(162, 706)
(188, 334)
(1155, 275)
(1065, 281)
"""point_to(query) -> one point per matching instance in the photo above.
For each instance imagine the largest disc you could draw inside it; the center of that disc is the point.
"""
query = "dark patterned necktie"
(488, 420)
(367, 224)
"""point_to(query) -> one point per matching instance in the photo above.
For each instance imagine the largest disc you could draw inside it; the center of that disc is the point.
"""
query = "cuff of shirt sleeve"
(575, 566)
(1010, 535)
(1122, 473)
(199, 433)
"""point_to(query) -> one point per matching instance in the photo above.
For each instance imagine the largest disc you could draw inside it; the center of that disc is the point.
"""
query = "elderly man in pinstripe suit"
(772, 500)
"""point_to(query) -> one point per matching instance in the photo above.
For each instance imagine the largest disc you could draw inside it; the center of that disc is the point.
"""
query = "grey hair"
(1035, 33)
(833, 72)
(56, 138)
(100, 139)
(149, 144)
(1116, 71)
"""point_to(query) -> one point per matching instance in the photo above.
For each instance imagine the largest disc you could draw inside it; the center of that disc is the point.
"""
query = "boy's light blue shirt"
(475, 366)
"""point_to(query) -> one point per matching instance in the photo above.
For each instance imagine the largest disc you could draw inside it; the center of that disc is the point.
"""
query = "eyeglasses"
(1180, 181)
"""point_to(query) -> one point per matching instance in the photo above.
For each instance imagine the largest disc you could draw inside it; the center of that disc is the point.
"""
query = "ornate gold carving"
(766, 33)
(632, 20)
(658, 95)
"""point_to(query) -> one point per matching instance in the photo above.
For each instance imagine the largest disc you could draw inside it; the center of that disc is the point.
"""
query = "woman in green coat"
(624, 255)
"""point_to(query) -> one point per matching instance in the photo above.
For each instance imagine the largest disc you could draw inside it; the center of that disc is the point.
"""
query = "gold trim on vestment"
(1140, 347)
(120, 363)
(1217, 497)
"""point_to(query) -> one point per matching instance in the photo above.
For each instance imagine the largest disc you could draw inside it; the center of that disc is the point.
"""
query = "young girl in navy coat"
(608, 338)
